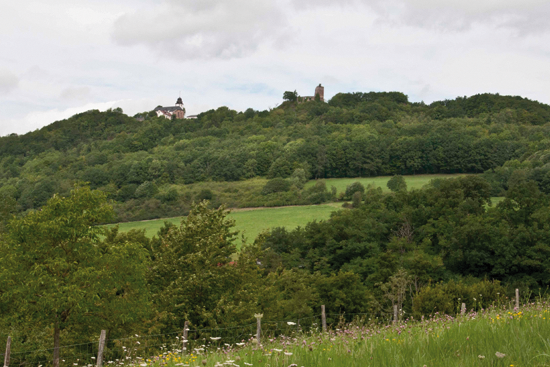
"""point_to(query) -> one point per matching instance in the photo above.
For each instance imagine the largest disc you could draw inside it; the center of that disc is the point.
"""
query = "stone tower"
(320, 90)
(179, 102)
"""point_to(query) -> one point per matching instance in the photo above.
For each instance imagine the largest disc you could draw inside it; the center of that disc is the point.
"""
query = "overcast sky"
(63, 57)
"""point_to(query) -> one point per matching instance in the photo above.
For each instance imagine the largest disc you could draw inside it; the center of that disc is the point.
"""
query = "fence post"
(185, 335)
(517, 298)
(324, 318)
(395, 315)
(7, 354)
(101, 348)
(258, 317)
(463, 308)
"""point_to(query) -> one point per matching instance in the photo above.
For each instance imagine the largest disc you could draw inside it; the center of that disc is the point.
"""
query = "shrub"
(204, 194)
(147, 189)
(276, 185)
(447, 297)
(298, 178)
(397, 183)
(353, 188)
(318, 193)
(356, 198)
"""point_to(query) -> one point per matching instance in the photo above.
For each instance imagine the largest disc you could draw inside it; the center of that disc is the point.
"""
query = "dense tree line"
(145, 165)
(424, 250)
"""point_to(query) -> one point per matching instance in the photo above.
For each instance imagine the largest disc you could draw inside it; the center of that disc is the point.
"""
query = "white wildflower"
(240, 344)
(215, 338)
(288, 354)
(291, 323)
(500, 355)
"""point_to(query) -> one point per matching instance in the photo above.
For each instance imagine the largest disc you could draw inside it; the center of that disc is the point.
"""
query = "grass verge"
(489, 338)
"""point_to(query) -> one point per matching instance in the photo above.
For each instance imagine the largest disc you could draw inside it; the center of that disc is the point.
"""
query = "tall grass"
(495, 337)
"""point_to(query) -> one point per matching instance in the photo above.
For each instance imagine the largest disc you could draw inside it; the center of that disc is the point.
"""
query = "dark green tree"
(397, 183)
(290, 96)
(56, 270)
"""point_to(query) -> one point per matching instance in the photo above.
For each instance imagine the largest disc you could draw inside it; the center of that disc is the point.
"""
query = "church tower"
(179, 102)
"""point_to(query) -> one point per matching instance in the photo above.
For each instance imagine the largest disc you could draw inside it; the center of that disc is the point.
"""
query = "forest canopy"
(144, 166)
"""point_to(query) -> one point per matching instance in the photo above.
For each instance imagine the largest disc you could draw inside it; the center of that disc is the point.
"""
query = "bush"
(397, 183)
(276, 185)
(356, 198)
(205, 194)
(147, 189)
(353, 188)
(446, 298)
(298, 178)
(318, 193)
(170, 196)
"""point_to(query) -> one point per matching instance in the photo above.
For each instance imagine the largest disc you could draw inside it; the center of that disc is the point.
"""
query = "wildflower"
(481, 357)
(248, 364)
(291, 323)
(277, 350)
(288, 354)
(240, 344)
(215, 338)
(500, 355)
(204, 362)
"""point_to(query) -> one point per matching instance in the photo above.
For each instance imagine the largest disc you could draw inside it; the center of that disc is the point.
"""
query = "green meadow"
(413, 182)
(251, 222)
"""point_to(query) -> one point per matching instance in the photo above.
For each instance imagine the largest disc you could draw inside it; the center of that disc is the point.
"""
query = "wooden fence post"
(395, 315)
(101, 348)
(185, 335)
(517, 298)
(258, 317)
(8, 352)
(324, 318)
(463, 308)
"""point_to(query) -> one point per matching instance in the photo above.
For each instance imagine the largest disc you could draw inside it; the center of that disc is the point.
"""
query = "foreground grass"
(494, 338)
(252, 222)
(413, 182)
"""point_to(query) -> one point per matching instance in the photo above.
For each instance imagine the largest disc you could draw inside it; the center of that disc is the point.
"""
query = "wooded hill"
(144, 166)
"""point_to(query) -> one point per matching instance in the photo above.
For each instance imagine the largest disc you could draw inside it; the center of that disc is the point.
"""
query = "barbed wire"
(139, 348)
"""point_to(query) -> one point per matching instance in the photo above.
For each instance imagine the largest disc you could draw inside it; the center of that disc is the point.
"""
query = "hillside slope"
(146, 164)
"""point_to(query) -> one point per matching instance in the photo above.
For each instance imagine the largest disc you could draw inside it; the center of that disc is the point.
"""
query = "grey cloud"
(202, 29)
(75, 93)
(8, 81)
(521, 16)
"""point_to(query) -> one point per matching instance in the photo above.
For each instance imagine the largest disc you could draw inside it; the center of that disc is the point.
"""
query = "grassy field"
(413, 182)
(494, 337)
(252, 222)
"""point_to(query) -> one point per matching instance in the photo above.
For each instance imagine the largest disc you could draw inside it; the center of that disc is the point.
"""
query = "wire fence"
(141, 349)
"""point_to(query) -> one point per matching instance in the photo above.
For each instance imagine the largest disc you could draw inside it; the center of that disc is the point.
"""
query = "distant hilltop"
(178, 110)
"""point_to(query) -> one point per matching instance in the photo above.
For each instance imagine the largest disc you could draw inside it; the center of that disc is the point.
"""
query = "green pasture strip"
(252, 222)
(497, 338)
(413, 182)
